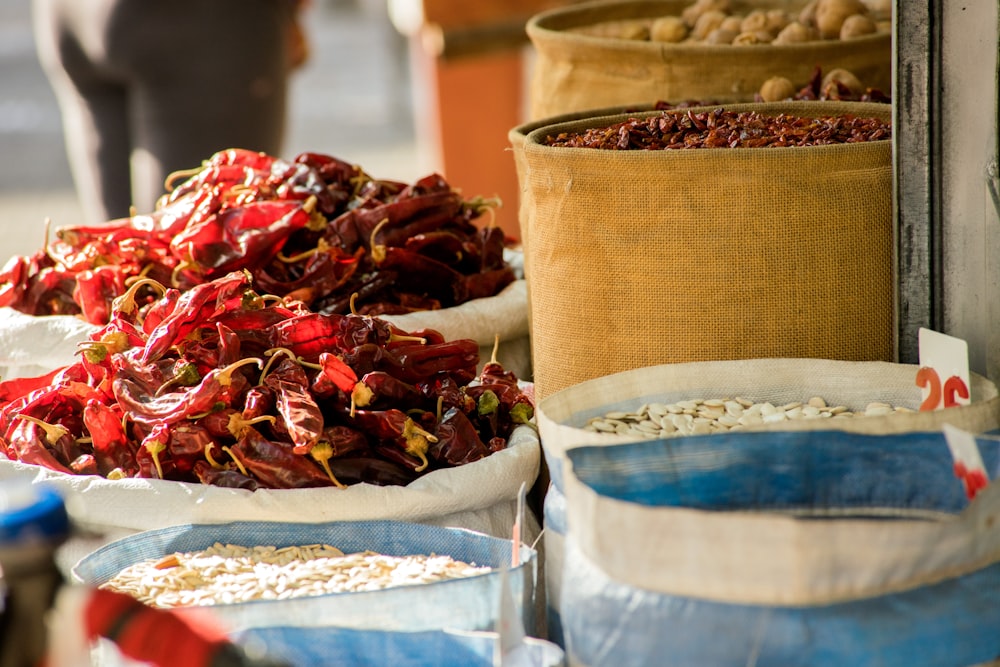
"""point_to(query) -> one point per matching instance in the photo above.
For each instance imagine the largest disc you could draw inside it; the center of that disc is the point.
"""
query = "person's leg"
(93, 109)
(213, 80)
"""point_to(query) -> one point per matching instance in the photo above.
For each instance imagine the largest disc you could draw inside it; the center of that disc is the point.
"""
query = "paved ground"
(352, 100)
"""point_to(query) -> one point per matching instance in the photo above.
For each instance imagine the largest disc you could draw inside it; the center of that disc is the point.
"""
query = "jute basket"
(637, 258)
(578, 68)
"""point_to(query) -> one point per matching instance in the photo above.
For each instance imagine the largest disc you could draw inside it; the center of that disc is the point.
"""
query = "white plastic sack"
(32, 346)
(505, 314)
(480, 496)
(562, 415)
(797, 548)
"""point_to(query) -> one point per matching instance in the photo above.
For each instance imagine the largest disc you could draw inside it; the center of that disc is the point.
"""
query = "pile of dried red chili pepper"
(220, 385)
(316, 229)
(721, 128)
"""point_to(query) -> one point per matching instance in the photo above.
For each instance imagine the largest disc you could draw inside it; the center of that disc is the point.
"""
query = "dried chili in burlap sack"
(646, 257)
(578, 66)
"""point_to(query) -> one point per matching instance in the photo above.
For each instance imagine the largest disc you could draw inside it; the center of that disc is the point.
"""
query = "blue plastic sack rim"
(804, 471)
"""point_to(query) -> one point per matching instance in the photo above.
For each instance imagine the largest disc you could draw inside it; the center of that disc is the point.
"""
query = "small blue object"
(31, 513)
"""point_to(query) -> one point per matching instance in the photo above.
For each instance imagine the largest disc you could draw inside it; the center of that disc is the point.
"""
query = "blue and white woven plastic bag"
(562, 415)
(810, 548)
(311, 647)
(465, 604)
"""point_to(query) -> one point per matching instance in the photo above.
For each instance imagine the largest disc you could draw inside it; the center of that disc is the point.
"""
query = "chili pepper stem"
(155, 447)
(174, 176)
(321, 453)
(52, 431)
(96, 351)
(272, 354)
(377, 250)
(416, 440)
(187, 377)
(321, 246)
(211, 459)
(45, 237)
(225, 375)
(228, 450)
(400, 338)
(237, 425)
(496, 348)
(126, 302)
(186, 264)
(361, 396)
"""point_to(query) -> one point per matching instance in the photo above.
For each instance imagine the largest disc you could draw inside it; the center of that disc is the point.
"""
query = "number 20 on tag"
(944, 370)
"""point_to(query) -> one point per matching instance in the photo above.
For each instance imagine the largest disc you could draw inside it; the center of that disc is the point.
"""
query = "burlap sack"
(637, 258)
(577, 69)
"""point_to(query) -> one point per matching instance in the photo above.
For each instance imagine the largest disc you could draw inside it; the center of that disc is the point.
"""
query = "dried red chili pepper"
(307, 335)
(95, 290)
(14, 280)
(394, 454)
(458, 357)
(15, 388)
(50, 292)
(153, 458)
(373, 286)
(240, 237)
(58, 439)
(457, 442)
(194, 307)
(345, 441)
(84, 464)
(258, 402)
(396, 427)
(274, 465)
(298, 410)
(143, 407)
(483, 284)
(109, 443)
(371, 470)
(381, 390)
(334, 376)
(408, 213)
(323, 271)
(223, 477)
(186, 447)
(26, 443)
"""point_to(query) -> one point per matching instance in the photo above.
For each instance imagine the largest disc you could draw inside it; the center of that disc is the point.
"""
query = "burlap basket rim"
(549, 27)
(534, 140)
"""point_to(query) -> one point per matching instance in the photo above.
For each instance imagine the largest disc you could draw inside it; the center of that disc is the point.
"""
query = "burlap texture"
(574, 70)
(637, 258)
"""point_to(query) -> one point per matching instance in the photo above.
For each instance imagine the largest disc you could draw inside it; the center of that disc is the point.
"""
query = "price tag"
(517, 534)
(509, 650)
(944, 370)
(968, 462)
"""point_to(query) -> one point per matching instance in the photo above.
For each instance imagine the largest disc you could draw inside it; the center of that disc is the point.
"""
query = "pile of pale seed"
(228, 574)
(717, 415)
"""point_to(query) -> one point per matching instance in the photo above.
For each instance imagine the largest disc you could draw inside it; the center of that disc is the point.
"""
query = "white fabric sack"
(32, 346)
(505, 314)
(853, 384)
(480, 496)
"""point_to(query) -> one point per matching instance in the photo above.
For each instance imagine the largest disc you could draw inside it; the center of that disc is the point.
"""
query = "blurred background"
(353, 99)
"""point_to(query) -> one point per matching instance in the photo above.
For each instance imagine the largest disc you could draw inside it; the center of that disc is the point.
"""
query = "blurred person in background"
(149, 87)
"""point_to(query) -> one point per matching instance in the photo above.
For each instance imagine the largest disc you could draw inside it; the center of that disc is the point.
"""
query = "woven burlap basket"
(578, 66)
(637, 258)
